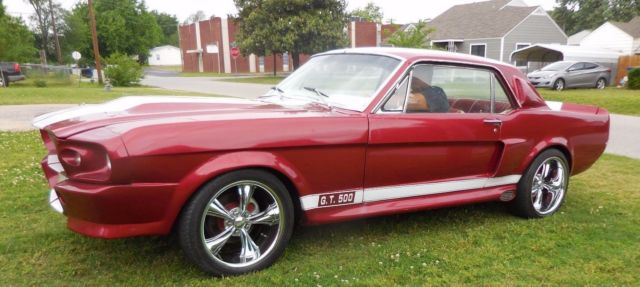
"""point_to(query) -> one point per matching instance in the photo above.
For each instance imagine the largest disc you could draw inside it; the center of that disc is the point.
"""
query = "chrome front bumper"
(54, 201)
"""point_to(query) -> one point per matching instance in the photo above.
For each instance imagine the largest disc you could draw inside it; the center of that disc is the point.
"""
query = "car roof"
(417, 54)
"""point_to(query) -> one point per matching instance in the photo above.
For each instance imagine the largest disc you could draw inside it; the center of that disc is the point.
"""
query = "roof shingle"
(632, 27)
(488, 19)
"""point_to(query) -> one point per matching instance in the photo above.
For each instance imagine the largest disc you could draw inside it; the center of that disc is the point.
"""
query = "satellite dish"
(76, 55)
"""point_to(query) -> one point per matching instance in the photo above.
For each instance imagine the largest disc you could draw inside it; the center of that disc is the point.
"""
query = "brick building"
(206, 46)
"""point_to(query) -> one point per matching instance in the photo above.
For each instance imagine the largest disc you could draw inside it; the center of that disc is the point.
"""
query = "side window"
(576, 67)
(449, 89)
(396, 101)
(589, 66)
(501, 103)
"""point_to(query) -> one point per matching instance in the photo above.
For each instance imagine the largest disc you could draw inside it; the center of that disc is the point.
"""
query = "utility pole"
(55, 32)
(94, 39)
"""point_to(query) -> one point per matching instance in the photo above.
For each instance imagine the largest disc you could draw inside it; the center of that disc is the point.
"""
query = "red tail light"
(16, 67)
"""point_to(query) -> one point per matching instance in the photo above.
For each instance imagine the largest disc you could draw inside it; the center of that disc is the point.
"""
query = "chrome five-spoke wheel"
(241, 223)
(548, 186)
(237, 223)
(543, 186)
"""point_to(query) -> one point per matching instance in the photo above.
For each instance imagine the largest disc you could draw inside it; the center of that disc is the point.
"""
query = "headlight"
(84, 161)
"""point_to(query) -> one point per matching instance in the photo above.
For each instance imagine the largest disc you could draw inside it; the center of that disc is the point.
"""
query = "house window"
(479, 50)
(519, 46)
(158, 57)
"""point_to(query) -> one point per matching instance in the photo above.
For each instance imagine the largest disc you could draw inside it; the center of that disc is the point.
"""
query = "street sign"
(76, 55)
(212, 49)
(235, 52)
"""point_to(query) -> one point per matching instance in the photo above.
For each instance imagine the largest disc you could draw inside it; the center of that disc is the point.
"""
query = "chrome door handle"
(495, 122)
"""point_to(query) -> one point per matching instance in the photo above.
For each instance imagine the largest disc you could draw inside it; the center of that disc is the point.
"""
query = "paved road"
(18, 117)
(206, 85)
(624, 136)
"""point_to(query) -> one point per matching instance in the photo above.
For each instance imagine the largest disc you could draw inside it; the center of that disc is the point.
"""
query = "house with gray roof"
(623, 37)
(494, 29)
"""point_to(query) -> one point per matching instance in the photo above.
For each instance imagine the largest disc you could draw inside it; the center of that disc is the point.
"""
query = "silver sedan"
(571, 74)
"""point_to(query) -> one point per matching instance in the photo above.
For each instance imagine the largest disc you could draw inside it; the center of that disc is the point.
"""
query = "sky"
(401, 11)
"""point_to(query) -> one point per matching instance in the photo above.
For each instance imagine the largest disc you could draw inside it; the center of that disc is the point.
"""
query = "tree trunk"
(55, 33)
(295, 57)
(274, 64)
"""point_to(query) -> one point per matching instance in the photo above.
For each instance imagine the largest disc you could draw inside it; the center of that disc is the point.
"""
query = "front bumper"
(542, 83)
(106, 210)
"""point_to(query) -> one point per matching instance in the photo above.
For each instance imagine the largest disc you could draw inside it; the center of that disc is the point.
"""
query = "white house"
(575, 39)
(165, 56)
(616, 36)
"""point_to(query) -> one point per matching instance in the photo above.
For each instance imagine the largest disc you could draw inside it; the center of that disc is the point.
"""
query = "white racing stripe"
(554, 106)
(411, 190)
(123, 104)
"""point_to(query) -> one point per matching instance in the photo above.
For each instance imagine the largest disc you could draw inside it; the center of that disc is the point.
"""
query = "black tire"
(5, 82)
(192, 224)
(559, 85)
(601, 83)
(523, 205)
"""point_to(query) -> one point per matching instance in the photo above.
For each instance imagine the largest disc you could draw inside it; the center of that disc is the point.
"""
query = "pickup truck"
(10, 72)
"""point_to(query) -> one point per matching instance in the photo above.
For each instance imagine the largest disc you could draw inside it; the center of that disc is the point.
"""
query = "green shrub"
(122, 71)
(40, 83)
(634, 79)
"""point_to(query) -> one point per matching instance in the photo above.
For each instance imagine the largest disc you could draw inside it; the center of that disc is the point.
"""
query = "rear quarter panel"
(581, 131)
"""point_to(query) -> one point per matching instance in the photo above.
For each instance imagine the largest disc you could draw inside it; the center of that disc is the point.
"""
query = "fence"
(625, 62)
(44, 75)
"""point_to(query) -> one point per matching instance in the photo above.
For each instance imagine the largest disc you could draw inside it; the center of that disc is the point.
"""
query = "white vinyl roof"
(556, 52)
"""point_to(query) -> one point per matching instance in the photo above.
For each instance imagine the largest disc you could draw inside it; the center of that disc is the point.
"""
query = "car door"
(574, 76)
(591, 74)
(416, 150)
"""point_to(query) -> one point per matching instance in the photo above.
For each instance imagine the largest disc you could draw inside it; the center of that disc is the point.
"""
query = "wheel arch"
(218, 166)
(557, 143)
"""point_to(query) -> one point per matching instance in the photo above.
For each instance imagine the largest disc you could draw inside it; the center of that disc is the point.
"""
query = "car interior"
(449, 89)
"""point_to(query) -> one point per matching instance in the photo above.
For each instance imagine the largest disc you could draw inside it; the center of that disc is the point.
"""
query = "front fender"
(228, 162)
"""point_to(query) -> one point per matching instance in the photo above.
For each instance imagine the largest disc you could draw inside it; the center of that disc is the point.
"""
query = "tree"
(196, 17)
(294, 26)
(16, 41)
(41, 16)
(45, 38)
(371, 12)
(169, 26)
(577, 15)
(127, 27)
(413, 37)
(76, 34)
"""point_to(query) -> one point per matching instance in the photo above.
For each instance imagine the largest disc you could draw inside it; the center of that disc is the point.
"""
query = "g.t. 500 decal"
(336, 198)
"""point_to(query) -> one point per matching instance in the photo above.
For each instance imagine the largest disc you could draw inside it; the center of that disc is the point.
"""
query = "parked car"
(10, 72)
(571, 74)
(351, 134)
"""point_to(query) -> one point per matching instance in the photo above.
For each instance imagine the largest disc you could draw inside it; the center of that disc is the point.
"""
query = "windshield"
(557, 66)
(347, 81)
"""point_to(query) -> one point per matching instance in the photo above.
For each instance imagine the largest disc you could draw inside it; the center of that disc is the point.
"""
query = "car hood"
(150, 109)
(542, 74)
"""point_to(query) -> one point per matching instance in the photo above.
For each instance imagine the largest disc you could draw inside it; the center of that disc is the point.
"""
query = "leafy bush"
(40, 83)
(123, 71)
(634, 79)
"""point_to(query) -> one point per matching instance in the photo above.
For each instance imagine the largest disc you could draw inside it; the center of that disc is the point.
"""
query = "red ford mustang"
(352, 133)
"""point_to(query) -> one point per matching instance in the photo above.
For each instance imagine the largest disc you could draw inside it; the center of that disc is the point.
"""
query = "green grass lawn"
(594, 240)
(267, 80)
(25, 93)
(616, 101)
